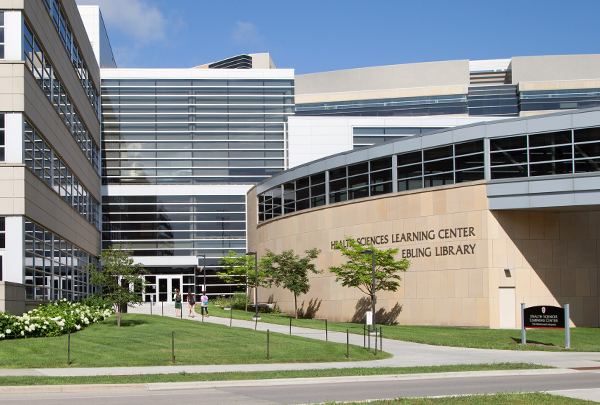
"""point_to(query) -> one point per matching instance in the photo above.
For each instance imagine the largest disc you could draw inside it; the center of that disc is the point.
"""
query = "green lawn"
(518, 399)
(582, 339)
(257, 375)
(145, 340)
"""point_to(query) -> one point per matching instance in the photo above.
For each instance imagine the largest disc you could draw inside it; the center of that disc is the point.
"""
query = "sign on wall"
(447, 236)
(544, 317)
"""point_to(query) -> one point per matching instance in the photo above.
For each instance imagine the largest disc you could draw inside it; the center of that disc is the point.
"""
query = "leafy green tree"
(240, 270)
(120, 278)
(290, 271)
(358, 269)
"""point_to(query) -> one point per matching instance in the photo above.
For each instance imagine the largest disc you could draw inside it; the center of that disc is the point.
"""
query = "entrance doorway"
(166, 288)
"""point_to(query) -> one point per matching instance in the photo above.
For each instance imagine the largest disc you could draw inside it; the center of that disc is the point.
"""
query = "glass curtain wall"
(187, 133)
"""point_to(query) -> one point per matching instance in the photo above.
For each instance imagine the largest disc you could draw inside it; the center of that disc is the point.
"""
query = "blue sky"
(316, 36)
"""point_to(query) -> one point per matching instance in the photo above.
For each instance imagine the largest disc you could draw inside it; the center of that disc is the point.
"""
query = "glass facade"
(450, 164)
(54, 268)
(1, 34)
(563, 152)
(529, 155)
(71, 46)
(43, 71)
(194, 131)
(45, 163)
(500, 101)
(407, 106)
(367, 136)
(2, 140)
(559, 99)
(200, 135)
(175, 225)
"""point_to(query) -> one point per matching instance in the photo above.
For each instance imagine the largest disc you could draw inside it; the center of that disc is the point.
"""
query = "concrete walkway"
(405, 354)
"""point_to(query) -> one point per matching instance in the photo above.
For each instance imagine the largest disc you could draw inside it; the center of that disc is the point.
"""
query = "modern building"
(50, 160)
(490, 215)
(181, 147)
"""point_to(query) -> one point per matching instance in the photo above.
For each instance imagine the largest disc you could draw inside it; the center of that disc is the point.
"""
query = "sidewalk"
(405, 354)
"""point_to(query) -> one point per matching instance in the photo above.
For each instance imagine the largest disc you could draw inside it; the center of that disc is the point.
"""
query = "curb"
(271, 382)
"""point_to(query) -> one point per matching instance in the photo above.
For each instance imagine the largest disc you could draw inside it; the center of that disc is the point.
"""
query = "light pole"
(372, 253)
(204, 269)
(256, 317)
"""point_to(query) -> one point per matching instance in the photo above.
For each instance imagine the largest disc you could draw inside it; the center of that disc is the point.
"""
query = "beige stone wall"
(554, 256)
(443, 289)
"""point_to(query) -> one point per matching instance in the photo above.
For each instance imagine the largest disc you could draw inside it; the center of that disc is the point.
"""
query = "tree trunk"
(119, 318)
(296, 305)
(247, 292)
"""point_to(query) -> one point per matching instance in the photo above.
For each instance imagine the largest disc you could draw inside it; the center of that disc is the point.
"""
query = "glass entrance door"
(163, 290)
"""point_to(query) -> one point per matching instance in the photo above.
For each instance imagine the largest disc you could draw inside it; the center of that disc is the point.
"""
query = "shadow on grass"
(125, 322)
(533, 342)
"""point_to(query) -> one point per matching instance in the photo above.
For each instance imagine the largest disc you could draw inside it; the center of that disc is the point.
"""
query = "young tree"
(119, 278)
(240, 270)
(290, 271)
(358, 269)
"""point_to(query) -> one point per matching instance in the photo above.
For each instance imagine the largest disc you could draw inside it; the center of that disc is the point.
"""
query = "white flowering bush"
(52, 319)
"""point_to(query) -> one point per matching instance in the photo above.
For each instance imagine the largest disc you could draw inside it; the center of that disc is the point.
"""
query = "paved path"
(405, 354)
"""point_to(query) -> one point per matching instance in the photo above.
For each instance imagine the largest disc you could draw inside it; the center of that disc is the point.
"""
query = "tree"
(358, 269)
(120, 279)
(290, 271)
(240, 270)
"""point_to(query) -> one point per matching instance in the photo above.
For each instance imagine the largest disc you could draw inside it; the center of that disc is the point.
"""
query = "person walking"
(191, 299)
(177, 298)
(204, 306)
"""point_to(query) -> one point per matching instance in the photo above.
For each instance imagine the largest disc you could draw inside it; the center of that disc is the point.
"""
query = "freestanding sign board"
(544, 317)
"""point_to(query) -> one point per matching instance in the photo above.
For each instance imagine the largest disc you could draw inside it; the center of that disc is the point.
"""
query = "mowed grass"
(499, 399)
(582, 339)
(257, 375)
(145, 340)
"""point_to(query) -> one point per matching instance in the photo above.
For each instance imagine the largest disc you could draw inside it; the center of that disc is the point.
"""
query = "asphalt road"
(321, 390)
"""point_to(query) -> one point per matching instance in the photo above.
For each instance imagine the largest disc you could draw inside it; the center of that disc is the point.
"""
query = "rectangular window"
(1, 36)
(2, 233)
(2, 145)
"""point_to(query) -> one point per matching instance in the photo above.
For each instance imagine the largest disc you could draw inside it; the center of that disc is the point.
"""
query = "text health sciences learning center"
(484, 174)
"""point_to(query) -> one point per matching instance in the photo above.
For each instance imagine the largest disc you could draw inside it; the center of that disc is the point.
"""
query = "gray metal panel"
(336, 161)
(380, 151)
(493, 129)
(443, 138)
(551, 186)
(587, 183)
(507, 188)
(586, 119)
(285, 177)
(587, 198)
(358, 156)
(508, 203)
(318, 166)
(469, 133)
(301, 172)
(408, 145)
(552, 123)
(551, 200)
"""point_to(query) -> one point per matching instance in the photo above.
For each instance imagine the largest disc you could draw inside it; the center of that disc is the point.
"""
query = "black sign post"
(545, 317)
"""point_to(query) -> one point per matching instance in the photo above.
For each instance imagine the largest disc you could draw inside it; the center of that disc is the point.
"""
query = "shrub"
(52, 319)
(239, 301)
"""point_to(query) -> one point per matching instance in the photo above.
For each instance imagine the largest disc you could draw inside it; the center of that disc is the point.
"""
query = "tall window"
(1, 34)
(1, 137)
